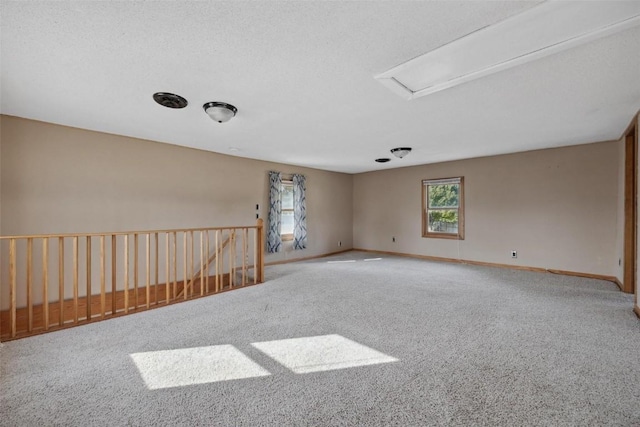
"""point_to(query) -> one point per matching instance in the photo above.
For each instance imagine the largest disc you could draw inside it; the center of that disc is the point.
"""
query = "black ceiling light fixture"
(220, 111)
(170, 100)
(383, 160)
(400, 152)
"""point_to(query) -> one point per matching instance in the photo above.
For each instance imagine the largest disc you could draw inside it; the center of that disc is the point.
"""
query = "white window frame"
(285, 183)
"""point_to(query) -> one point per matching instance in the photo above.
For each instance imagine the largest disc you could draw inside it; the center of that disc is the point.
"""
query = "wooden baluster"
(184, 268)
(45, 282)
(206, 279)
(260, 251)
(114, 272)
(255, 256)
(61, 280)
(229, 261)
(103, 296)
(29, 285)
(135, 270)
(234, 256)
(201, 263)
(156, 268)
(175, 265)
(148, 270)
(191, 264)
(235, 259)
(218, 256)
(229, 275)
(244, 256)
(232, 244)
(126, 273)
(166, 268)
(222, 260)
(75, 279)
(12, 287)
(88, 299)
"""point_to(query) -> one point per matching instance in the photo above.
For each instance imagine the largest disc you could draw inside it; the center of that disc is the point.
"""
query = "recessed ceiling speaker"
(170, 100)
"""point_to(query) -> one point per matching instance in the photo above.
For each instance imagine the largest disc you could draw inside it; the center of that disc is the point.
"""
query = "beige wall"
(56, 179)
(558, 208)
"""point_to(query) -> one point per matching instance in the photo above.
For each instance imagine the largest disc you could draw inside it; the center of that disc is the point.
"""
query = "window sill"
(286, 237)
(443, 236)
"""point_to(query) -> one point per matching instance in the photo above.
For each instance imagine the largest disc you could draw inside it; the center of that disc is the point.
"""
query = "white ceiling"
(302, 77)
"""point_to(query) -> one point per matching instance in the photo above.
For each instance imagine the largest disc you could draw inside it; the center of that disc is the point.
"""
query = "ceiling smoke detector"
(400, 152)
(220, 111)
(170, 100)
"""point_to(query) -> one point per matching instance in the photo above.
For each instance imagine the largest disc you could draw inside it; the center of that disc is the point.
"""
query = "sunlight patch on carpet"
(321, 353)
(198, 365)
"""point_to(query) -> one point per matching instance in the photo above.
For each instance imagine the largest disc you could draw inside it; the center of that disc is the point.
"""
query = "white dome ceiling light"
(220, 111)
(400, 152)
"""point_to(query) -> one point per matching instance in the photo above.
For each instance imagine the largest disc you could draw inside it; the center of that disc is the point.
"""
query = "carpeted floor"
(442, 344)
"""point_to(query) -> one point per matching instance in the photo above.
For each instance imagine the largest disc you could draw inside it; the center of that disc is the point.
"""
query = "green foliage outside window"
(443, 196)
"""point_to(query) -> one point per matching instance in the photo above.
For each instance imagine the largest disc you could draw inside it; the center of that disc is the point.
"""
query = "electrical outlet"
(514, 254)
(393, 239)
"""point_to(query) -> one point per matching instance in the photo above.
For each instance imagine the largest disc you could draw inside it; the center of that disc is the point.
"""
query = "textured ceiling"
(301, 75)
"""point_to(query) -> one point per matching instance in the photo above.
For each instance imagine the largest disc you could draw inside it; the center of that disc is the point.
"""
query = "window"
(443, 208)
(286, 217)
(287, 212)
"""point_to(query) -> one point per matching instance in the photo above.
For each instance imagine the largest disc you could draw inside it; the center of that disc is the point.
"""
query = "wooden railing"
(49, 282)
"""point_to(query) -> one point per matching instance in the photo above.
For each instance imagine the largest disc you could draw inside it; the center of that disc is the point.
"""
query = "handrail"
(55, 281)
(124, 233)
